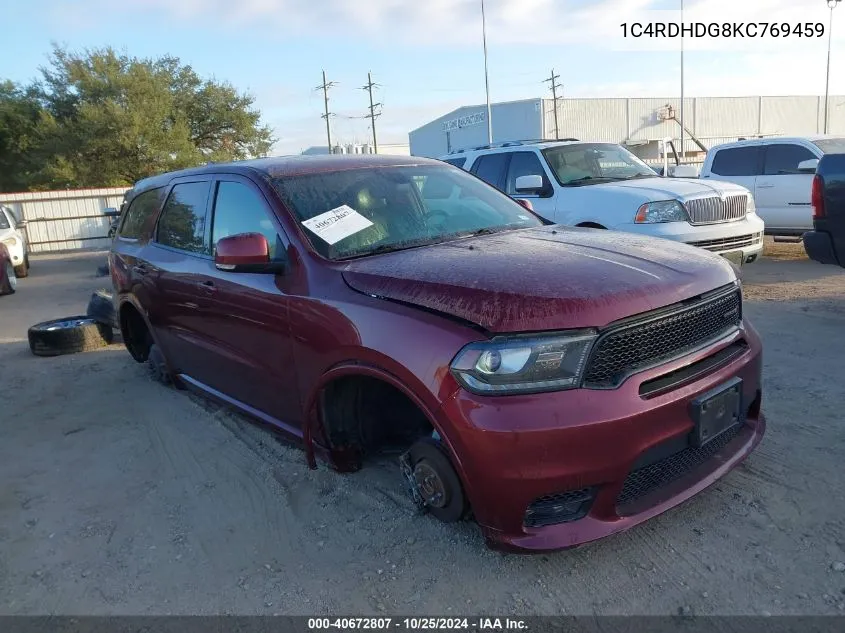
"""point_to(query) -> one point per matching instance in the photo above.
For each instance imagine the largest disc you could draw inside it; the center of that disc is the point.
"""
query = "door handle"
(765, 185)
(140, 269)
(207, 286)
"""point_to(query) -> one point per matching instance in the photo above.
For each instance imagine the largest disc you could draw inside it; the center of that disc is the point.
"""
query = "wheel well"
(136, 335)
(368, 416)
(591, 225)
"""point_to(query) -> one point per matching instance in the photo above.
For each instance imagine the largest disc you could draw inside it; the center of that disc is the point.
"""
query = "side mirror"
(245, 253)
(808, 166)
(110, 212)
(532, 184)
(525, 203)
(22, 224)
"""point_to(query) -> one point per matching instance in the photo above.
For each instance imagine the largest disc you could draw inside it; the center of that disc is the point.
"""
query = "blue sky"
(426, 54)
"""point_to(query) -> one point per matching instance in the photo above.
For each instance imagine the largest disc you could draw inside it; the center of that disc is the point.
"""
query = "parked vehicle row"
(603, 185)
(779, 172)
(560, 383)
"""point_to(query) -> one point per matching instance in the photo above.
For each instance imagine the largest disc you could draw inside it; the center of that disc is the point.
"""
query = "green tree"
(20, 114)
(106, 119)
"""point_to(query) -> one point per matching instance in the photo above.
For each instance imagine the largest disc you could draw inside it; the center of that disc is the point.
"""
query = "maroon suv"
(562, 384)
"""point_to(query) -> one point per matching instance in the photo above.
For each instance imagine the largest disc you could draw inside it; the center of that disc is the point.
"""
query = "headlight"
(750, 207)
(524, 364)
(10, 241)
(663, 211)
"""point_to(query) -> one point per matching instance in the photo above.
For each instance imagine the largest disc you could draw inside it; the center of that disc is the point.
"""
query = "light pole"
(682, 82)
(831, 4)
(486, 77)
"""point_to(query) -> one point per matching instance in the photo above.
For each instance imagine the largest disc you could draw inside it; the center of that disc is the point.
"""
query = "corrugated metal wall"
(64, 220)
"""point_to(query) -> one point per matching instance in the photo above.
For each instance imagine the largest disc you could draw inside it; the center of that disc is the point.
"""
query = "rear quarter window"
(457, 162)
(136, 221)
(736, 161)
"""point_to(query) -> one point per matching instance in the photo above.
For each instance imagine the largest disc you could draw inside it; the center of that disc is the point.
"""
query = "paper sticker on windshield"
(337, 224)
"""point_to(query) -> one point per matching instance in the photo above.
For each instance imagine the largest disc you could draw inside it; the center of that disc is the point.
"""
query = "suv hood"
(654, 189)
(546, 278)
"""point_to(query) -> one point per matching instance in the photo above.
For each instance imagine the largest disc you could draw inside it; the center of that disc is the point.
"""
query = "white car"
(603, 185)
(15, 241)
(779, 172)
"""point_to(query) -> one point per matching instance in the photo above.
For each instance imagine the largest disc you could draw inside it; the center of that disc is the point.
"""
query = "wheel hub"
(430, 485)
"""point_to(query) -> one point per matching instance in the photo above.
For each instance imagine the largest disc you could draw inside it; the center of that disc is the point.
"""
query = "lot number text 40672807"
(418, 624)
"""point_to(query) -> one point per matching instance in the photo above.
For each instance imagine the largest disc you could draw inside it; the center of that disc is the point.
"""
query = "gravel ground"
(120, 496)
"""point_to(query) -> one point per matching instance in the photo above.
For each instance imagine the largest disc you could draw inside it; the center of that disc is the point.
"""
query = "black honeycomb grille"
(559, 508)
(649, 478)
(622, 352)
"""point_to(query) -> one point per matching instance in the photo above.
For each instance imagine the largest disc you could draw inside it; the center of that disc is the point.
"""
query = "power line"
(553, 81)
(373, 114)
(325, 88)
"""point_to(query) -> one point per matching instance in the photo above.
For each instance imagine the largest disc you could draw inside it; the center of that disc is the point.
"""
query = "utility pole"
(325, 88)
(553, 81)
(831, 5)
(373, 114)
(683, 153)
(486, 76)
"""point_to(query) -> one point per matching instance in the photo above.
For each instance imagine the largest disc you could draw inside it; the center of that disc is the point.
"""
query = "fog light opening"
(560, 508)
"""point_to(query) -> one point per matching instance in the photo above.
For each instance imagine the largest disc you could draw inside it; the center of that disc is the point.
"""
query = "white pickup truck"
(603, 185)
(779, 173)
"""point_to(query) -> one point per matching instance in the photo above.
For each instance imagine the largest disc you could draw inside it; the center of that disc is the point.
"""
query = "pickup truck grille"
(646, 342)
(729, 243)
(714, 209)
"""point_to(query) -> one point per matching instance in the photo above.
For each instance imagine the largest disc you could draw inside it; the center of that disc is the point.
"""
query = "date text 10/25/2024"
(418, 624)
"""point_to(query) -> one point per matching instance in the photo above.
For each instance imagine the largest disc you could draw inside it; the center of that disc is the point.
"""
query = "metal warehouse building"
(640, 124)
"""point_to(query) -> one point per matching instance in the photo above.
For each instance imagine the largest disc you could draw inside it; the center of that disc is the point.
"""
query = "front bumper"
(514, 450)
(725, 237)
(16, 252)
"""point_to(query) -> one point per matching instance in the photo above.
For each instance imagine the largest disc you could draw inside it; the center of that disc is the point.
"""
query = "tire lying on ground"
(68, 336)
(101, 308)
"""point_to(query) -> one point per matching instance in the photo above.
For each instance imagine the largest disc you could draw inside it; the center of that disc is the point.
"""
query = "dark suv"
(562, 383)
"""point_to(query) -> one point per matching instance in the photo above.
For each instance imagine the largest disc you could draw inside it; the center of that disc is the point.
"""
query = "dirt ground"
(120, 496)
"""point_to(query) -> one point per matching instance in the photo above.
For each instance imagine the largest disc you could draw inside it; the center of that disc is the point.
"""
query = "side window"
(143, 207)
(524, 164)
(182, 223)
(457, 162)
(784, 158)
(239, 209)
(736, 161)
(491, 168)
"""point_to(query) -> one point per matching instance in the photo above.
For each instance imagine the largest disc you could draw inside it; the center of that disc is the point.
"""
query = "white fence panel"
(65, 220)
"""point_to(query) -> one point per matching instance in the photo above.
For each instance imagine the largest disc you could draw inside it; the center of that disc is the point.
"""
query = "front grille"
(627, 349)
(559, 508)
(727, 243)
(714, 209)
(649, 478)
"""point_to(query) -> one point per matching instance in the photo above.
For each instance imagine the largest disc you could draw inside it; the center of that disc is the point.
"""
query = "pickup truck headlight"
(10, 241)
(524, 364)
(663, 211)
(750, 207)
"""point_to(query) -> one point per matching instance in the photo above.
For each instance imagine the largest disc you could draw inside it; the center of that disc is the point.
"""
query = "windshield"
(593, 163)
(831, 145)
(365, 211)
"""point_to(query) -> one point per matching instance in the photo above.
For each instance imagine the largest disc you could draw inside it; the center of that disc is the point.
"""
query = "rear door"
(492, 168)
(529, 164)
(246, 322)
(740, 165)
(179, 259)
(782, 193)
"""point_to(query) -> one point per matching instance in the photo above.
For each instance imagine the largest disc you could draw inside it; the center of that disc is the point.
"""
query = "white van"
(779, 172)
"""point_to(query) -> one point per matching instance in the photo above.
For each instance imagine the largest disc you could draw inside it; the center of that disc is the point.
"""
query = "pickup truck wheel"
(436, 481)
(68, 336)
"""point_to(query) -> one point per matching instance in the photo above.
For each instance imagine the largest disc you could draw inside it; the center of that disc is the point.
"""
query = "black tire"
(429, 453)
(157, 366)
(101, 309)
(68, 336)
(10, 285)
(23, 270)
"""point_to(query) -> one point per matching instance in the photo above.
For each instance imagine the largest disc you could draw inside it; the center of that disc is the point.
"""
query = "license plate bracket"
(716, 411)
